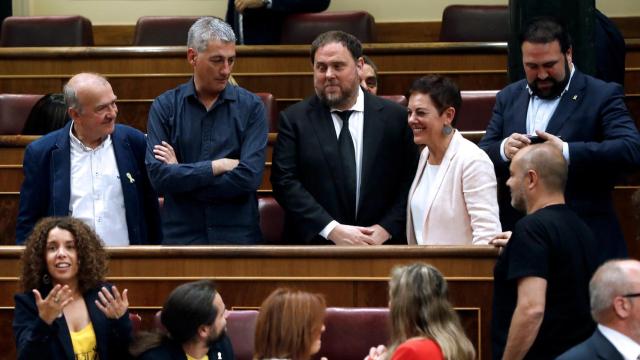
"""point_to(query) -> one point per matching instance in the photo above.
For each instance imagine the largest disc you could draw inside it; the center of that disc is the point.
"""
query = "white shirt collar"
(629, 349)
(359, 105)
(566, 88)
(80, 145)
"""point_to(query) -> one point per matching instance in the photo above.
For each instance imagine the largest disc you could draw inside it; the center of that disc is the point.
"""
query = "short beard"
(212, 340)
(337, 101)
(556, 88)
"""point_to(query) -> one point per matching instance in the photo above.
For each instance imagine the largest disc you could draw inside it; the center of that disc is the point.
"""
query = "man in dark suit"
(92, 169)
(195, 318)
(582, 116)
(262, 20)
(615, 305)
(343, 184)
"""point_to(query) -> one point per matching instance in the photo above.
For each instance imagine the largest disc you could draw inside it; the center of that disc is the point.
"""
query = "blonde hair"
(288, 323)
(419, 308)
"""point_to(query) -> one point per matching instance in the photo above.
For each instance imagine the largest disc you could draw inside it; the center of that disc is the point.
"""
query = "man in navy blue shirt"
(206, 147)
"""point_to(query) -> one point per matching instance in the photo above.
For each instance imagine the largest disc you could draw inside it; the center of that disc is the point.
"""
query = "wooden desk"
(347, 276)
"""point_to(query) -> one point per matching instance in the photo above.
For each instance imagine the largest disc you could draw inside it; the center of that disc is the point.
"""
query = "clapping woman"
(67, 311)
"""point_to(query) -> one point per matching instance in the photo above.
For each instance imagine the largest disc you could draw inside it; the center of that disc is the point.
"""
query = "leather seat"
(350, 332)
(304, 28)
(400, 99)
(475, 23)
(30, 31)
(476, 110)
(271, 219)
(162, 30)
(271, 111)
(241, 329)
(14, 111)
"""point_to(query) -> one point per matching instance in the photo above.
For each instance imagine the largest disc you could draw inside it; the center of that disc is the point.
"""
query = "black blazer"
(35, 339)
(595, 347)
(306, 174)
(170, 350)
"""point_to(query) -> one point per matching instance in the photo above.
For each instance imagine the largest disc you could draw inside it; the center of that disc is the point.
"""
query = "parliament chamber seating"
(475, 23)
(271, 110)
(162, 30)
(271, 219)
(304, 28)
(136, 322)
(29, 31)
(476, 109)
(350, 332)
(241, 328)
(400, 99)
(14, 110)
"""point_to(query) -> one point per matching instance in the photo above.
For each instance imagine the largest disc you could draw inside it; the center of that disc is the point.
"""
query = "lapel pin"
(131, 179)
(575, 97)
(219, 356)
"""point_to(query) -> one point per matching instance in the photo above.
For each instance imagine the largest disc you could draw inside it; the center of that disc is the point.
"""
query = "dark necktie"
(348, 158)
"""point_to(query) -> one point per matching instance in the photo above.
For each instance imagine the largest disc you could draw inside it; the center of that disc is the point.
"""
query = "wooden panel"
(9, 204)
(386, 32)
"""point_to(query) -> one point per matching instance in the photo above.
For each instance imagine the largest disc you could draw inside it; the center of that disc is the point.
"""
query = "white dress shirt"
(96, 192)
(629, 349)
(356, 124)
(418, 204)
(539, 113)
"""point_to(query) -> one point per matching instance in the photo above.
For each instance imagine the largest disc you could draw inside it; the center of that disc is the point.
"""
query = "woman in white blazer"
(453, 198)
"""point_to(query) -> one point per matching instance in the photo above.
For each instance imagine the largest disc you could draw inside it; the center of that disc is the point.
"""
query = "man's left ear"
(569, 55)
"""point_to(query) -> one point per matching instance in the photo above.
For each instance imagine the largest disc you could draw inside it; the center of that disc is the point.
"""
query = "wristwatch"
(267, 3)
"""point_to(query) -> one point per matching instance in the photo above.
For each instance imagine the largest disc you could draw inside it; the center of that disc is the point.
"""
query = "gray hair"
(207, 29)
(70, 88)
(609, 281)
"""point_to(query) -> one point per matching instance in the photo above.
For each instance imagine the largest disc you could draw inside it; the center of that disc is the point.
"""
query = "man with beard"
(583, 117)
(541, 279)
(195, 319)
(206, 147)
(344, 159)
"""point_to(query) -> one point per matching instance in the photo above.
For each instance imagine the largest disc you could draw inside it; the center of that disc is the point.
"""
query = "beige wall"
(103, 12)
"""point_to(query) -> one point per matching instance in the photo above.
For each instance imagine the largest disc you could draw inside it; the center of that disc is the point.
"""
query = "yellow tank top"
(206, 357)
(84, 343)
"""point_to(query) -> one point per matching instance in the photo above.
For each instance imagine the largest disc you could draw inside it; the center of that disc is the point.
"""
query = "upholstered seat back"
(304, 28)
(271, 219)
(476, 110)
(488, 23)
(241, 328)
(14, 111)
(163, 30)
(270, 109)
(46, 31)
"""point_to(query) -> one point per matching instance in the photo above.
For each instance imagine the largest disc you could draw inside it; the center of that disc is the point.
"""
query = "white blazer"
(462, 208)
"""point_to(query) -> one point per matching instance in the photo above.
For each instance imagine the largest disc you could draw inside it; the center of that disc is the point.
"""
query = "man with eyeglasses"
(615, 304)
(369, 76)
(541, 298)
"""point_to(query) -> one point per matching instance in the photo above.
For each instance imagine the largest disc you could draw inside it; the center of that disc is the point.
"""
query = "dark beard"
(212, 340)
(557, 87)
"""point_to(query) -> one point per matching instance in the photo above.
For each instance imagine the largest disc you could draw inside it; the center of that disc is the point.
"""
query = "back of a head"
(336, 36)
(207, 29)
(544, 30)
(549, 164)
(419, 308)
(47, 115)
(188, 307)
(288, 323)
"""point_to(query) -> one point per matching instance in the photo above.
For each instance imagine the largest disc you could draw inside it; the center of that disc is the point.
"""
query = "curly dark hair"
(92, 258)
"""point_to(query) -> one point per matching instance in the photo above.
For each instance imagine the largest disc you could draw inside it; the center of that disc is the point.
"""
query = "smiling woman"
(63, 269)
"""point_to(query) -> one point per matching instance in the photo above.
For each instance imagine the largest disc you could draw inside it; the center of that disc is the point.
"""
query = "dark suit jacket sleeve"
(395, 220)
(33, 336)
(148, 195)
(300, 6)
(618, 146)
(287, 187)
(494, 134)
(33, 204)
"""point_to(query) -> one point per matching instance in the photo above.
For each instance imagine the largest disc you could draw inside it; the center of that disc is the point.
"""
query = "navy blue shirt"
(200, 208)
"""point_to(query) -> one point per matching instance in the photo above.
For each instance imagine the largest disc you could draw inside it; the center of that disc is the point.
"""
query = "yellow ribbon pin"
(131, 179)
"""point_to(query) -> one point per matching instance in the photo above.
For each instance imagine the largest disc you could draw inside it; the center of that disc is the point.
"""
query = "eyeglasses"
(632, 295)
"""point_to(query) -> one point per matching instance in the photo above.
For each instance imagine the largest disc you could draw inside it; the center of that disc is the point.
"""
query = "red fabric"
(418, 349)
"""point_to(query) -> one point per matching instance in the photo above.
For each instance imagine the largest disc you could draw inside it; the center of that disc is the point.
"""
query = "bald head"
(79, 84)
(547, 161)
(612, 279)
